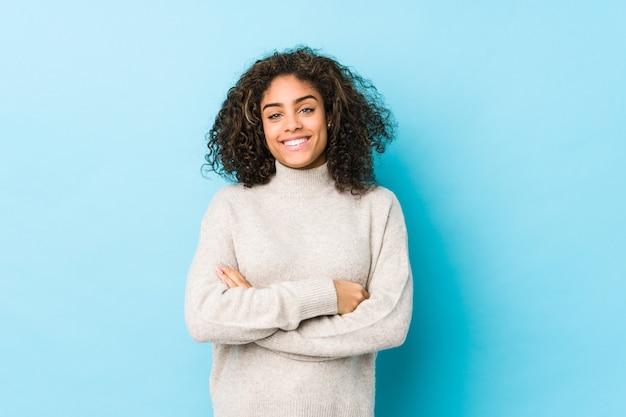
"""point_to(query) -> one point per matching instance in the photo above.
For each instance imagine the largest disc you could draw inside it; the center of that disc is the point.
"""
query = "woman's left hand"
(231, 277)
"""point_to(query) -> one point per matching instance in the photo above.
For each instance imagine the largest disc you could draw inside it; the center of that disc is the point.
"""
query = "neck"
(302, 180)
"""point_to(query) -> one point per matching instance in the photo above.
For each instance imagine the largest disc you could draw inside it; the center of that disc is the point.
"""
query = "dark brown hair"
(360, 122)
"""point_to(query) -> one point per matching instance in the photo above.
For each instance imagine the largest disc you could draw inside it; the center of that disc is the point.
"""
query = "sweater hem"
(290, 408)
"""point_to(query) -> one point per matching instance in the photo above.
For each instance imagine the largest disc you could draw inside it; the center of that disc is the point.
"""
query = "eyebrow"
(296, 101)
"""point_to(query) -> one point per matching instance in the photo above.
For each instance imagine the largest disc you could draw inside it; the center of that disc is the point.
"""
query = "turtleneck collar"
(302, 180)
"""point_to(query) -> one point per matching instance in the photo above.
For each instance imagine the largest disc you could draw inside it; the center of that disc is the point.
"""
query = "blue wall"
(510, 165)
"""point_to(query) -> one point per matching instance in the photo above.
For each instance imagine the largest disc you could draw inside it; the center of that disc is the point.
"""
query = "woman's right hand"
(349, 296)
(231, 277)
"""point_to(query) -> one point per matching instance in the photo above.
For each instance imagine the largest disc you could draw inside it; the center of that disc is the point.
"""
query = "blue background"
(510, 165)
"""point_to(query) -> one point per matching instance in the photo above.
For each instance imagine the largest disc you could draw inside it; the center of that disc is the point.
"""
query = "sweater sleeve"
(380, 322)
(216, 314)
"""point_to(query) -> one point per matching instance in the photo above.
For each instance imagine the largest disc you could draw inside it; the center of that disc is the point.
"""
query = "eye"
(273, 116)
(307, 110)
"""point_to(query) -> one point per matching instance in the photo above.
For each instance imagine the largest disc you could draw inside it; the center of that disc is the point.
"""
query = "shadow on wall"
(426, 376)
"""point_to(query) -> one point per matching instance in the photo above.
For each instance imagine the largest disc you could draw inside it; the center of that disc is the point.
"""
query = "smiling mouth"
(295, 142)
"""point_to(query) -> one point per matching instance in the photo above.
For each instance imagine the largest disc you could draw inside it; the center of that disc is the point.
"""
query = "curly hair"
(360, 122)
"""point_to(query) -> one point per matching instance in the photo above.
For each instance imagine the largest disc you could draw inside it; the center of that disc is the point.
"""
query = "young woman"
(301, 273)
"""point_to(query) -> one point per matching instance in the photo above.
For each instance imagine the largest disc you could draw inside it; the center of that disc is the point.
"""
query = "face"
(294, 123)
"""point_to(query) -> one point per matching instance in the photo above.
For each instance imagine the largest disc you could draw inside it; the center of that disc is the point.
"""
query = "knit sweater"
(279, 348)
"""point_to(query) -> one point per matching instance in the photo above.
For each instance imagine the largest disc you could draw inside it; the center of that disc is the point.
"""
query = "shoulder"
(239, 194)
(381, 196)
(224, 199)
(238, 197)
(382, 203)
(228, 193)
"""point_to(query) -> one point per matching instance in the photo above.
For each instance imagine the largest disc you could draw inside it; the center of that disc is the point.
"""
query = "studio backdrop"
(510, 164)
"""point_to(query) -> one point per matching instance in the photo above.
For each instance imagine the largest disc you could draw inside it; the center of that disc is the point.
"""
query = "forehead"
(286, 88)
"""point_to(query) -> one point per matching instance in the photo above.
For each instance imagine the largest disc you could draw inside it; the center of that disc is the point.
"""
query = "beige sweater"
(280, 348)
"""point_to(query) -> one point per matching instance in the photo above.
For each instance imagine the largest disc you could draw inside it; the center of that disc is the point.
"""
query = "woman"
(301, 273)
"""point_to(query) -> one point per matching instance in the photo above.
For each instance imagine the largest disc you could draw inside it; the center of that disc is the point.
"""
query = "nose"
(292, 123)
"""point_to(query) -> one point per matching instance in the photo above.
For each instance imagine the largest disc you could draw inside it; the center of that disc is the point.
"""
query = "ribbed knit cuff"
(316, 297)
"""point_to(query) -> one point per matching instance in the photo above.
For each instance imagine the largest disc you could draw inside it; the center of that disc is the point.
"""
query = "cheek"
(269, 130)
(267, 139)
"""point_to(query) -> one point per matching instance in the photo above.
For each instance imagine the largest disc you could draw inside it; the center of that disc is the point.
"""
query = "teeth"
(294, 142)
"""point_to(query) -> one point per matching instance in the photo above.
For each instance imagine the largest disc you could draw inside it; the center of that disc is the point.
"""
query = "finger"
(224, 278)
(229, 283)
(236, 277)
